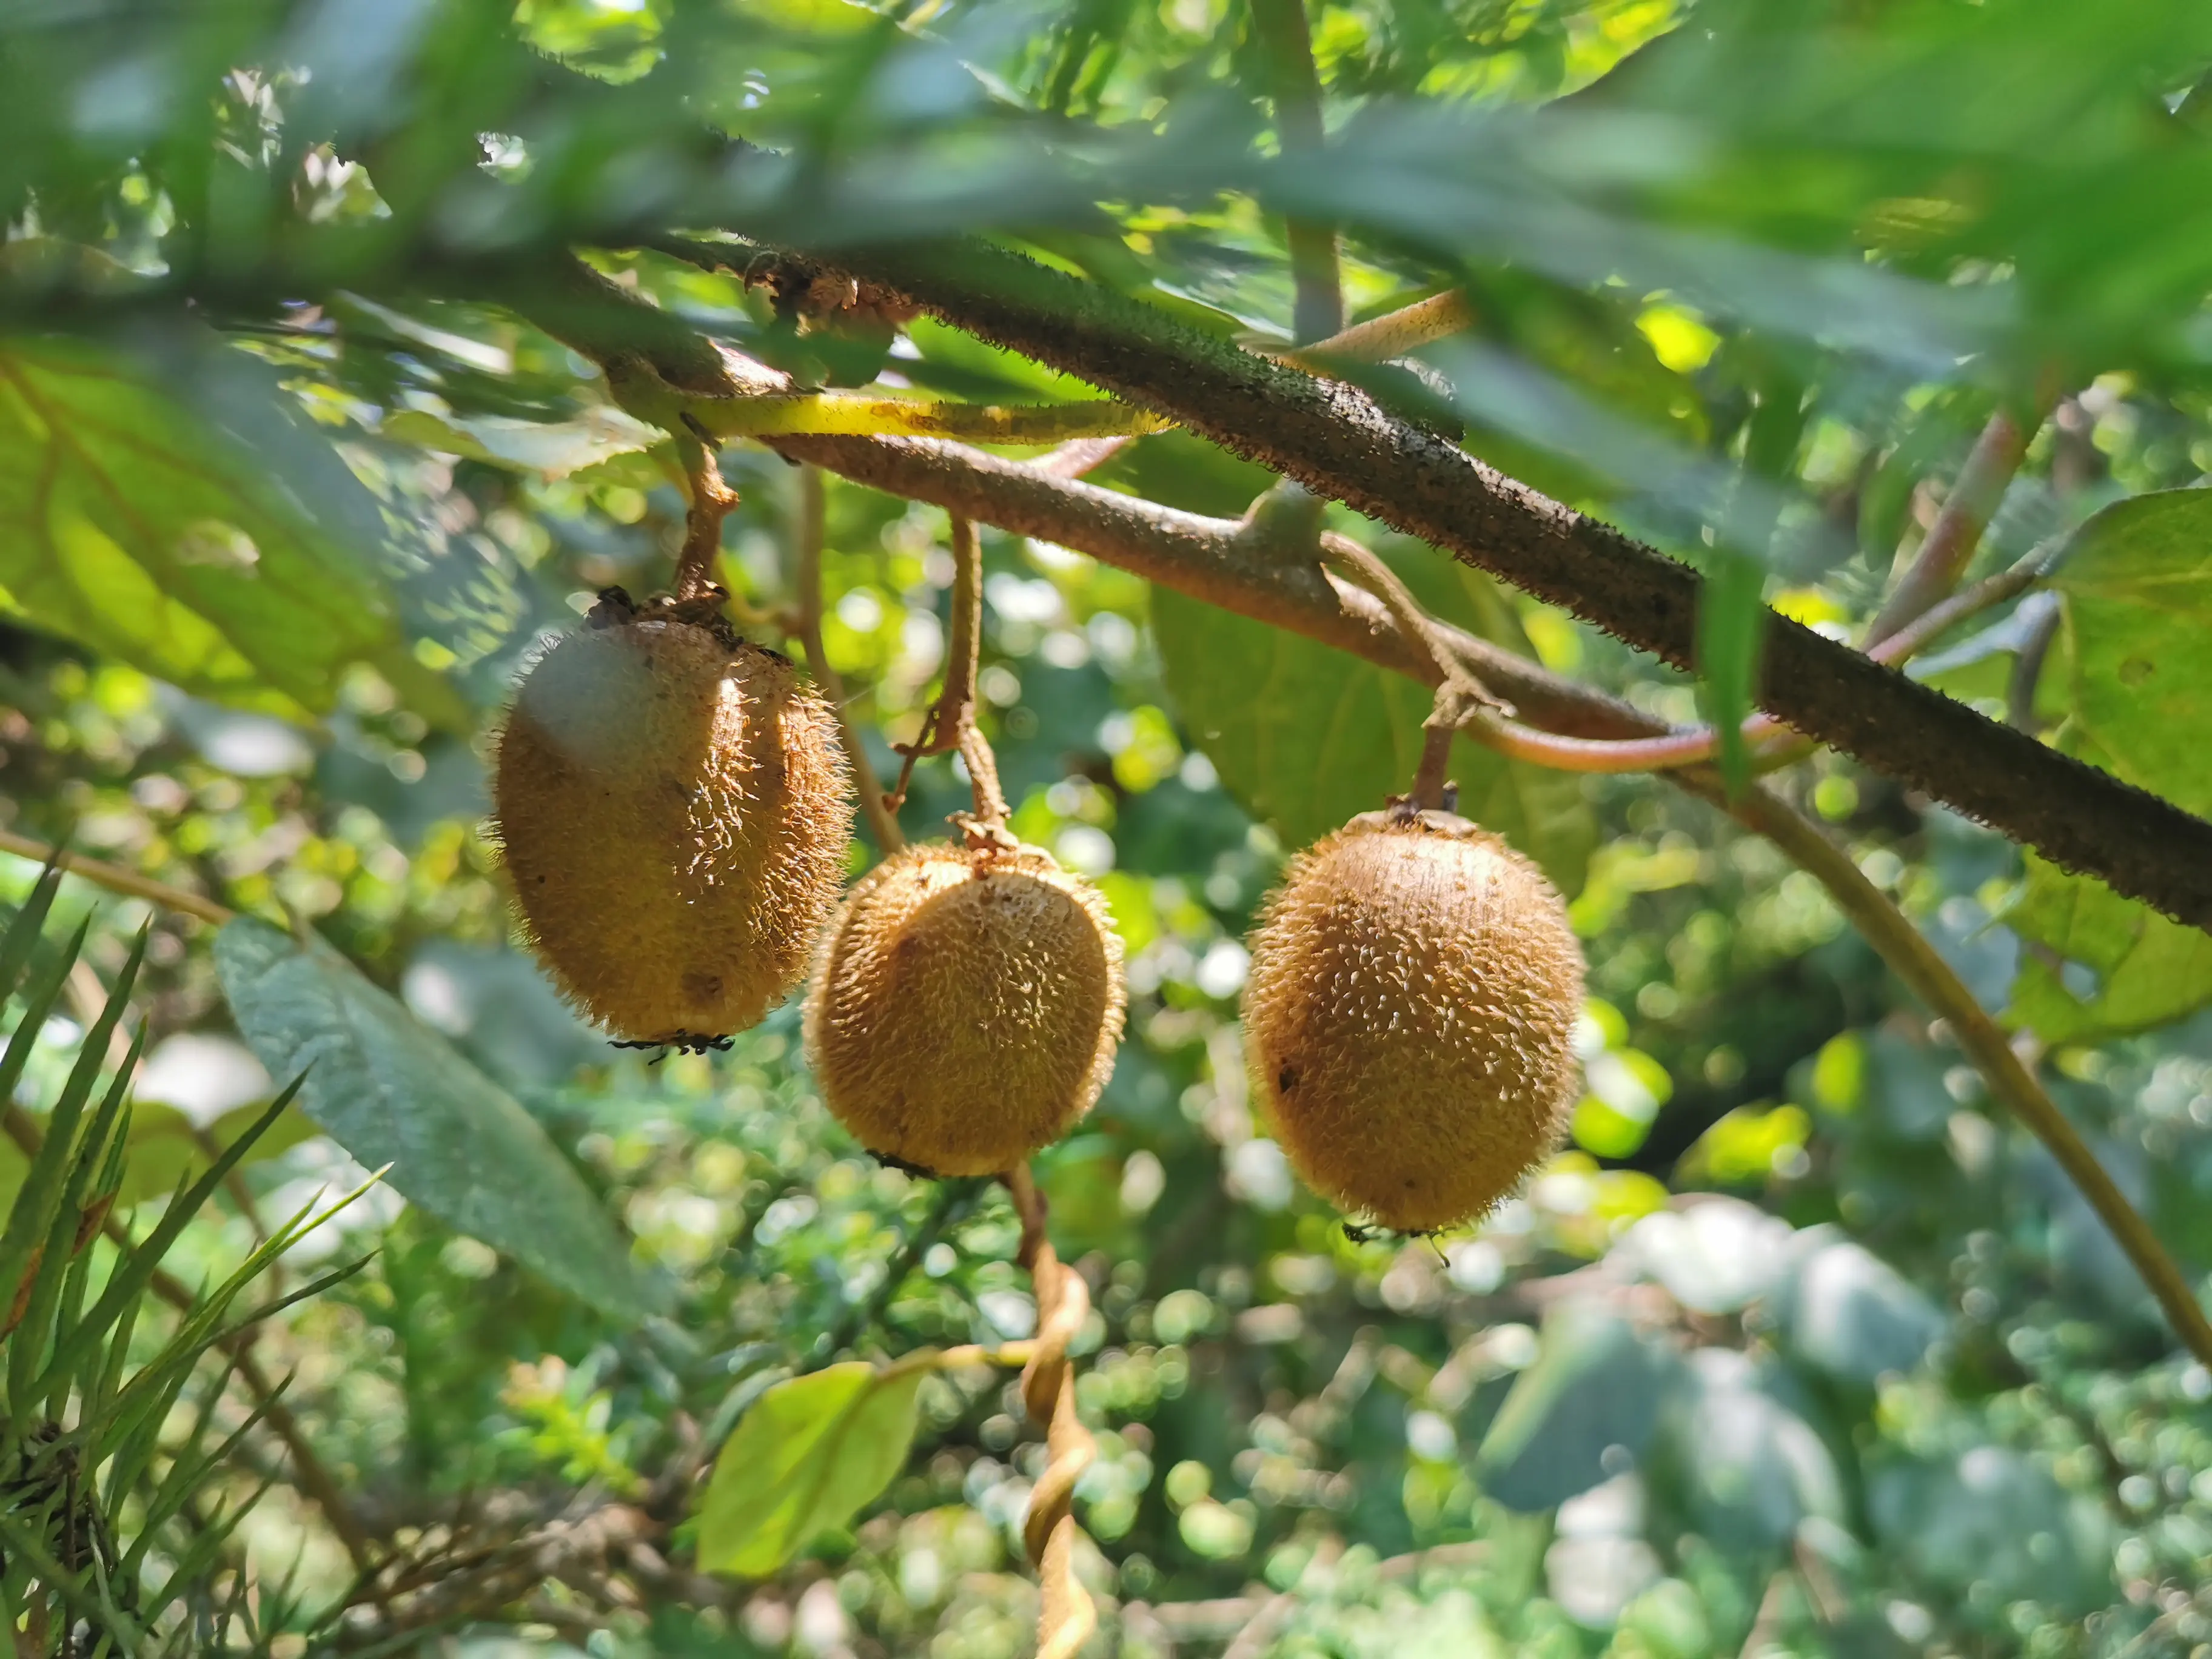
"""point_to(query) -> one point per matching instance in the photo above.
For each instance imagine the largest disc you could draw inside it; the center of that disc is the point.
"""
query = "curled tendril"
(1068, 1615)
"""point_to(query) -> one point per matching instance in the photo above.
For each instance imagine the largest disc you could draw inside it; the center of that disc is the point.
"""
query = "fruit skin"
(966, 1007)
(1409, 1019)
(674, 809)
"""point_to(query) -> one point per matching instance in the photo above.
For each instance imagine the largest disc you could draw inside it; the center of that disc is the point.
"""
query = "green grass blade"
(65, 1215)
(21, 939)
(131, 1278)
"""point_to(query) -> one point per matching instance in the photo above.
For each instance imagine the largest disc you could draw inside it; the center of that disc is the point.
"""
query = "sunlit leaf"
(2136, 586)
(134, 525)
(808, 1456)
(2106, 965)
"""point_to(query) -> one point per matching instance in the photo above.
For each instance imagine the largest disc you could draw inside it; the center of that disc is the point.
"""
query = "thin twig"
(117, 879)
(1917, 963)
(806, 577)
(1766, 1623)
(1957, 532)
(950, 725)
(1392, 335)
(1696, 746)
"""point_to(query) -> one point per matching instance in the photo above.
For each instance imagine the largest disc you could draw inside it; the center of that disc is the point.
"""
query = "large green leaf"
(2137, 588)
(391, 1091)
(1306, 736)
(138, 527)
(2149, 971)
(807, 1458)
(2137, 591)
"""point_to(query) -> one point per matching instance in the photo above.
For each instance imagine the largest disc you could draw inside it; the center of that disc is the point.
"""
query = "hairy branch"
(1342, 443)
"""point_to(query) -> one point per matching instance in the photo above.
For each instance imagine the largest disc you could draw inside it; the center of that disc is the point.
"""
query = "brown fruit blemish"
(1409, 1019)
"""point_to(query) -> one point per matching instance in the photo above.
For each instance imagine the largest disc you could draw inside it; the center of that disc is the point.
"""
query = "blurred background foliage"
(1802, 1347)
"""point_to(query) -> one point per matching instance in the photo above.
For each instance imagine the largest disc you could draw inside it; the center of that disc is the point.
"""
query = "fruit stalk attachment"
(1068, 1616)
(1461, 700)
(712, 501)
(950, 722)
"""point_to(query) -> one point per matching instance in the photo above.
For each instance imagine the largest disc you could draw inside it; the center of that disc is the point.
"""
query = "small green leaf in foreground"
(809, 1456)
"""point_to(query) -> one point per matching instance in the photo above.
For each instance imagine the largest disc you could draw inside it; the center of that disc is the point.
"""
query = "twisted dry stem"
(1063, 1301)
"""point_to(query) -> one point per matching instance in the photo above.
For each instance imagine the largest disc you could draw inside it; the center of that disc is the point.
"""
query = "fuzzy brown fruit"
(1409, 1019)
(966, 1007)
(674, 810)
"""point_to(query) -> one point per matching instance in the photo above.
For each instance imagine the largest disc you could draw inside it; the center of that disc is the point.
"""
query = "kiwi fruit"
(966, 1007)
(1409, 1019)
(674, 810)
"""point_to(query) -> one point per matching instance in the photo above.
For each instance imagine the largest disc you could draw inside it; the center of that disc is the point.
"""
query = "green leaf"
(138, 528)
(809, 1456)
(391, 1091)
(1306, 736)
(2149, 971)
(2137, 591)
(2136, 586)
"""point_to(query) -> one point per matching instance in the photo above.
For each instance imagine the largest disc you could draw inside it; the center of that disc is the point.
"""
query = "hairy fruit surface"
(966, 1007)
(674, 810)
(1409, 1019)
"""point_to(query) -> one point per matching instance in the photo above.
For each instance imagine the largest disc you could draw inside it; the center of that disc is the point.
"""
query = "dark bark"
(1340, 443)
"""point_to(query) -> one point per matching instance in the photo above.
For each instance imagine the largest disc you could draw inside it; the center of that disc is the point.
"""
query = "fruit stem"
(712, 501)
(1068, 1615)
(1461, 698)
(950, 725)
(806, 579)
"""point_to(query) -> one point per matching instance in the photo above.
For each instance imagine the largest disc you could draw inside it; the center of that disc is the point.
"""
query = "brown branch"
(1224, 561)
(1340, 443)
(806, 577)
